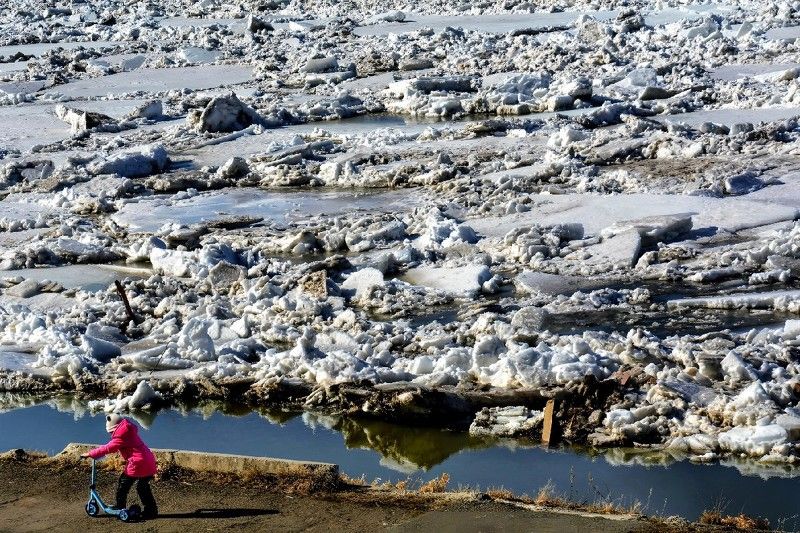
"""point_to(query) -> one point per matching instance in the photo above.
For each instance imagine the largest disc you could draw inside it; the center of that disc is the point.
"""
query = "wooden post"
(549, 430)
(125, 301)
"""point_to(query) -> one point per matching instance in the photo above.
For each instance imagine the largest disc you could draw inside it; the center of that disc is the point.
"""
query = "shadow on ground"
(219, 513)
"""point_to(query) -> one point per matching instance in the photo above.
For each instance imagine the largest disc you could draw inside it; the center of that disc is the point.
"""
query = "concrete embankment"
(223, 463)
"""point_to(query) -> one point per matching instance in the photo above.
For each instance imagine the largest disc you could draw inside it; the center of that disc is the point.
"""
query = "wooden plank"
(124, 297)
(549, 430)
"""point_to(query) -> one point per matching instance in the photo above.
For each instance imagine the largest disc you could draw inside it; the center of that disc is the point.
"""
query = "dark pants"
(142, 489)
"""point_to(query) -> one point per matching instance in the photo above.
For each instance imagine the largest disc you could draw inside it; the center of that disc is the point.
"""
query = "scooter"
(95, 503)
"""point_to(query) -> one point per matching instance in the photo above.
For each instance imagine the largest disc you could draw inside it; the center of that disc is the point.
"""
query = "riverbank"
(38, 493)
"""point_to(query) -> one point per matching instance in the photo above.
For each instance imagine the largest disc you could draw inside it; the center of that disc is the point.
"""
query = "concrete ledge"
(226, 463)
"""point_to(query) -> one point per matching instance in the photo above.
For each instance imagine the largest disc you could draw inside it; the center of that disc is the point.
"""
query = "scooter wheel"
(123, 515)
(91, 509)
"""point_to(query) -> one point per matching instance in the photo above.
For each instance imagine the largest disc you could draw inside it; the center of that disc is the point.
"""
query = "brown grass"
(399, 486)
(610, 507)
(22, 455)
(741, 521)
(436, 485)
(301, 481)
(500, 494)
(547, 497)
(344, 479)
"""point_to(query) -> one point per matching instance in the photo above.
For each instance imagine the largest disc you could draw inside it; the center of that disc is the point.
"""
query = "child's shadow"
(219, 513)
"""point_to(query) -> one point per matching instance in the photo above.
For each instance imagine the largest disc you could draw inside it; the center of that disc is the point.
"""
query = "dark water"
(385, 451)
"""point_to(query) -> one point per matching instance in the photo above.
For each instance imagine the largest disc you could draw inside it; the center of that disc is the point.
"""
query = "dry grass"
(500, 494)
(740, 522)
(436, 485)
(305, 480)
(22, 455)
(344, 479)
(399, 486)
(547, 497)
(301, 481)
(610, 507)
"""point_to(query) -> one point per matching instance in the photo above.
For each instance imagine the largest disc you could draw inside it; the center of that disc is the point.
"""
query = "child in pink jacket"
(140, 463)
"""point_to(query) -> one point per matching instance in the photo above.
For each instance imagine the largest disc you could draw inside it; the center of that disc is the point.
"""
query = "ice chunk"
(791, 424)
(506, 422)
(621, 250)
(462, 281)
(787, 299)
(255, 24)
(233, 167)
(736, 368)
(616, 418)
(80, 120)
(691, 392)
(224, 113)
(553, 284)
(410, 64)
(791, 329)
(389, 16)
(100, 349)
(194, 341)
(363, 280)
(24, 289)
(742, 183)
(654, 229)
(529, 320)
(133, 163)
(172, 262)
(319, 65)
(223, 275)
(753, 440)
(565, 137)
(151, 110)
(422, 365)
(753, 394)
(441, 232)
(144, 397)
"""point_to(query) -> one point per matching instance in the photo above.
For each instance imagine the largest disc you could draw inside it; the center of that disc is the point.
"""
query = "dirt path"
(38, 497)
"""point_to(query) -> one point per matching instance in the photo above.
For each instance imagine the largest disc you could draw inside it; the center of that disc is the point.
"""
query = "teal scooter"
(95, 503)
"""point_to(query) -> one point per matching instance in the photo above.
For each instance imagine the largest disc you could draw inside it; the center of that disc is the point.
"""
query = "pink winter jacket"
(140, 461)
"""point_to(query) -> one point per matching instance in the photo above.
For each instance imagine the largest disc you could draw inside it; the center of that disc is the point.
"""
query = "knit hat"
(112, 421)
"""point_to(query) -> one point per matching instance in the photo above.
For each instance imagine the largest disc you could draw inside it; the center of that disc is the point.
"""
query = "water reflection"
(405, 449)
(402, 448)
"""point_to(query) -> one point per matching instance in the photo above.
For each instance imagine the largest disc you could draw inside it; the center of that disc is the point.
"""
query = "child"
(140, 463)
